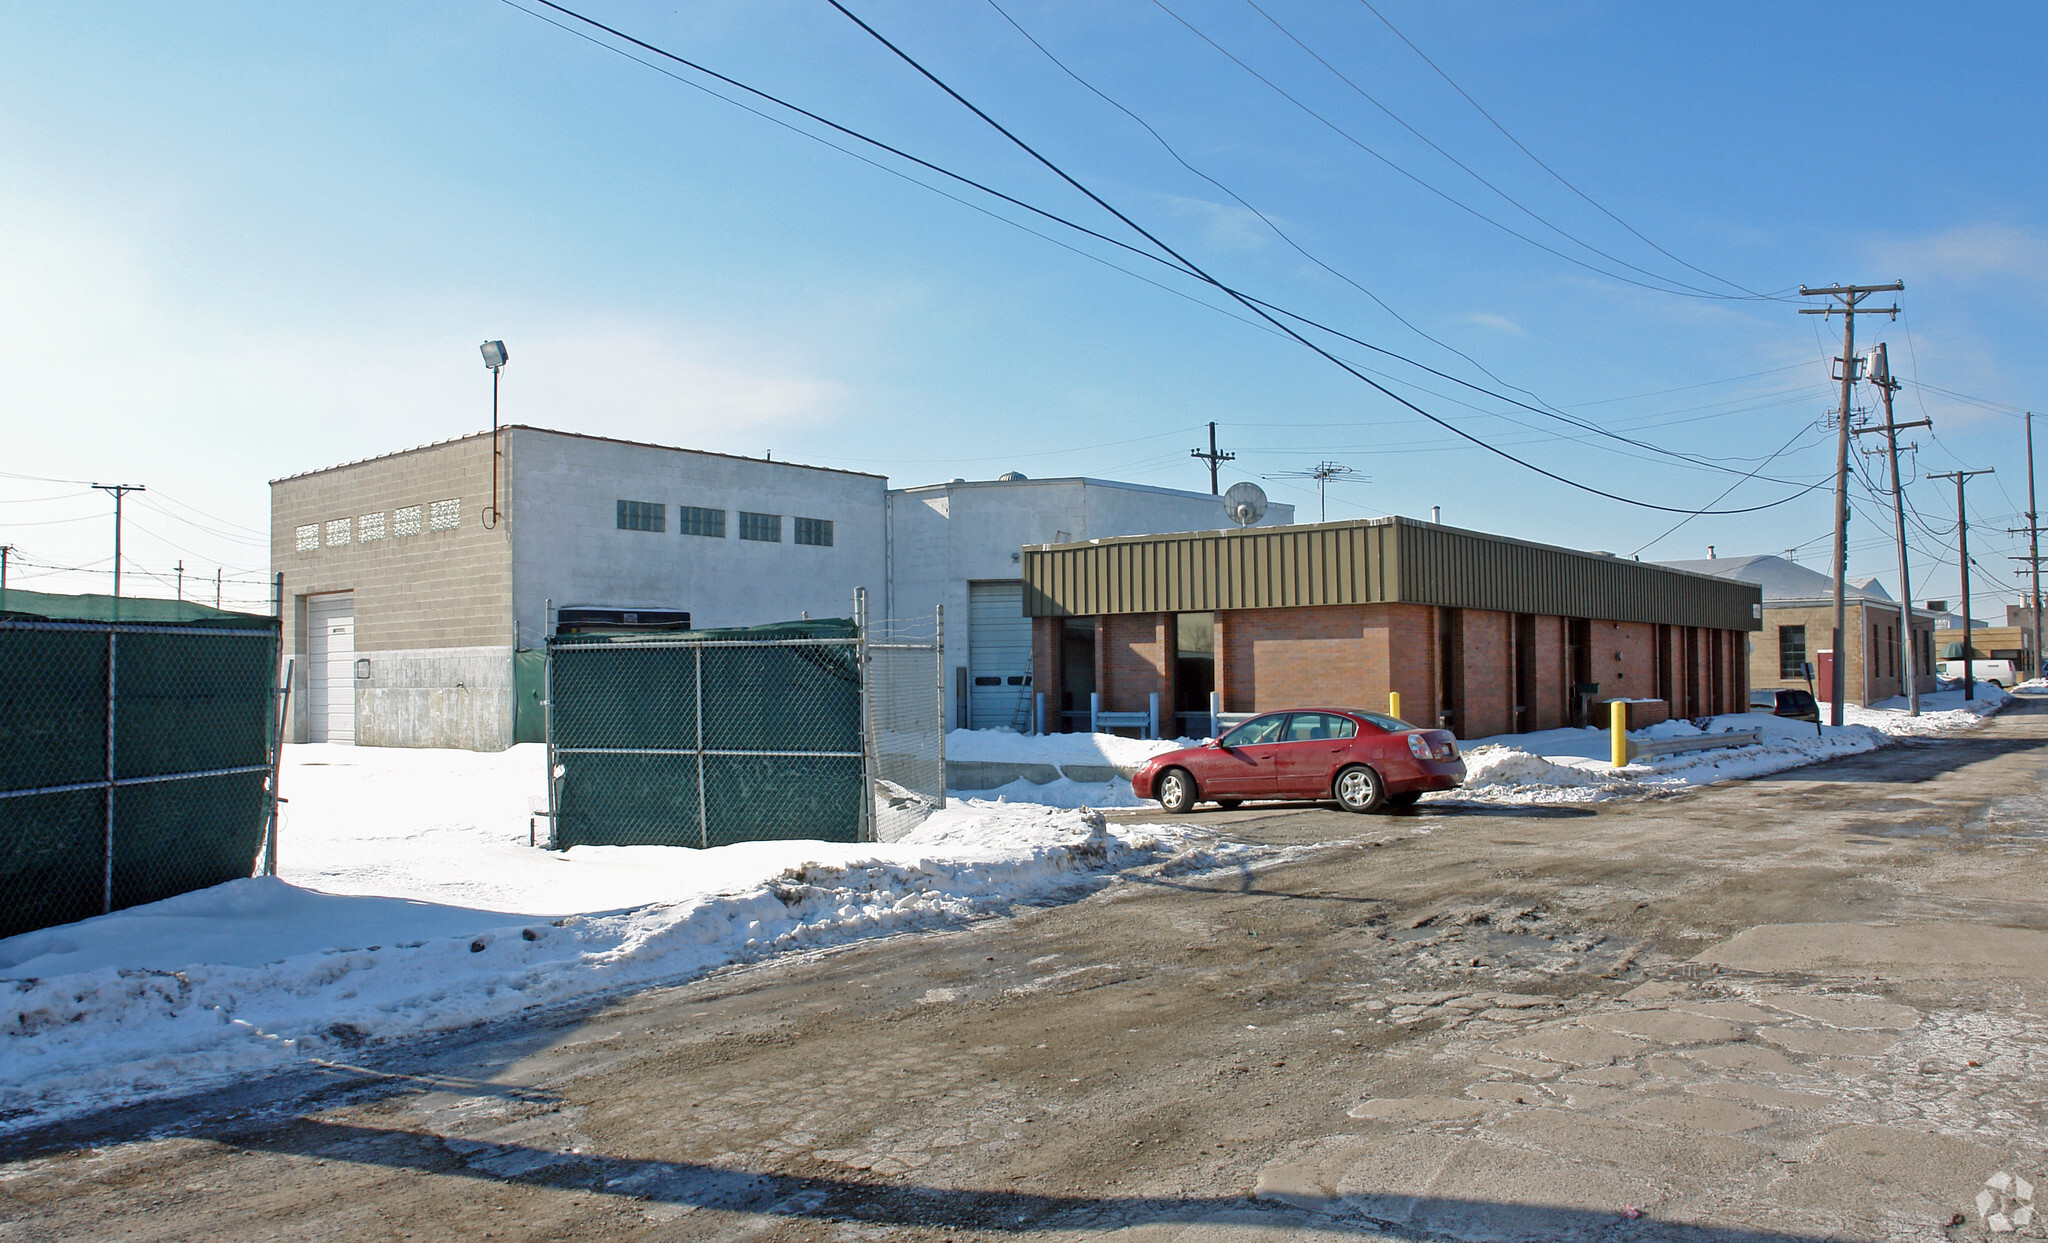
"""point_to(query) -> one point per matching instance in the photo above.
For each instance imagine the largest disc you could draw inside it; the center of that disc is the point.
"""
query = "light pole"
(494, 358)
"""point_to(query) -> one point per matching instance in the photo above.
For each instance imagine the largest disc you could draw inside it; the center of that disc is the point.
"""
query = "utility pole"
(180, 567)
(1963, 558)
(1850, 296)
(2033, 557)
(119, 490)
(216, 587)
(5, 549)
(1881, 376)
(1213, 458)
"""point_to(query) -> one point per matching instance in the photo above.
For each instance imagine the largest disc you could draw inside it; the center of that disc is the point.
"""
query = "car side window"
(1255, 731)
(1319, 726)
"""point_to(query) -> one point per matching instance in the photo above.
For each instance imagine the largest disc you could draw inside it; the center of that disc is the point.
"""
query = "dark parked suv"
(1798, 705)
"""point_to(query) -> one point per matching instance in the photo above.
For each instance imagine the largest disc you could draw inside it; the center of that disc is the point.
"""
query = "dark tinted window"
(1257, 730)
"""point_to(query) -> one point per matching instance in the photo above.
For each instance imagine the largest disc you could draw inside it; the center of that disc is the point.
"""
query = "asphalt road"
(1806, 1006)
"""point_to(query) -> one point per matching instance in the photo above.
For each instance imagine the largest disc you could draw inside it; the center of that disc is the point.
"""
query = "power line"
(1176, 261)
(1561, 179)
(1683, 289)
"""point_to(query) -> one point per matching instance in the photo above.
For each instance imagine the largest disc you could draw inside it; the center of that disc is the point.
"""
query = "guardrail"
(1704, 742)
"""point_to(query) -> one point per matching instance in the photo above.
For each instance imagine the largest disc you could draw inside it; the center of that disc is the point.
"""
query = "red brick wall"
(1552, 709)
(1489, 698)
(1046, 667)
(1133, 657)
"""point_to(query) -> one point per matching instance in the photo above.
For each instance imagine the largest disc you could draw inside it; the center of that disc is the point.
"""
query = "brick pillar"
(1101, 662)
(1223, 661)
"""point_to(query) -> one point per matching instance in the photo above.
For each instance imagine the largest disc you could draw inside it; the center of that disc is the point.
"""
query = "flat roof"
(1080, 479)
(550, 431)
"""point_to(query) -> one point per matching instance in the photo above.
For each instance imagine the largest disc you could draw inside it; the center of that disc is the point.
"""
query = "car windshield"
(1392, 724)
(1255, 731)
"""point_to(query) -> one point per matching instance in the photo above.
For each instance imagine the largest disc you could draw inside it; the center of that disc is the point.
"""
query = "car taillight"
(1417, 747)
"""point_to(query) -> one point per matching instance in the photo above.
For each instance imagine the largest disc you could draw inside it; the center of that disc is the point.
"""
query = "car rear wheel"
(1360, 789)
(1229, 804)
(1176, 790)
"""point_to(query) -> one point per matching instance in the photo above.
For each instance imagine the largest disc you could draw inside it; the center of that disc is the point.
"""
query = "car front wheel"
(1360, 789)
(1176, 791)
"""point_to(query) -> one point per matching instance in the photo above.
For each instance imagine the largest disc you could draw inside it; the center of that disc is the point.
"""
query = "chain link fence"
(137, 757)
(706, 738)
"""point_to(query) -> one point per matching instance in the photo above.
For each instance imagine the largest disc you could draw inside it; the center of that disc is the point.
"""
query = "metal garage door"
(998, 656)
(331, 667)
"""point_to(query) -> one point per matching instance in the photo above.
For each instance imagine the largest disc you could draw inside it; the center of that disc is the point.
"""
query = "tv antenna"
(1324, 473)
(1245, 503)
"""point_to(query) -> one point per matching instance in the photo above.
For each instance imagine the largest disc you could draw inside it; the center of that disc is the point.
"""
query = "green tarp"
(637, 770)
(192, 693)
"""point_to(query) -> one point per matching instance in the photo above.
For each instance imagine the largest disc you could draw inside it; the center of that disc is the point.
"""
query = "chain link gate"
(137, 757)
(806, 729)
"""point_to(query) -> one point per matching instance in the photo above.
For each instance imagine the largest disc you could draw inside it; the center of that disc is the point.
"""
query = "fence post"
(939, 667)
(1215, 714)
(547, 716)
(1094, 710)
(284, 714)
(107, 875)
(703, 805)
(1155, 716)
(867, 733)
(1041, 712)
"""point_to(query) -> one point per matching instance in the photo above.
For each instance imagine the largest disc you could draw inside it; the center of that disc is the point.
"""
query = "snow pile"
(1942, 712)
(259, 974)
(1575, 765)
(1009, 746)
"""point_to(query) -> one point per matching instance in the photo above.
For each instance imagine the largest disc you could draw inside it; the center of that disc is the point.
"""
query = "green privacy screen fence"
(710, 737)
(136, 749)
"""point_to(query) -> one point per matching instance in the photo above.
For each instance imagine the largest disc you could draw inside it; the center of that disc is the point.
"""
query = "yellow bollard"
(1394, 704)
(1618, 718)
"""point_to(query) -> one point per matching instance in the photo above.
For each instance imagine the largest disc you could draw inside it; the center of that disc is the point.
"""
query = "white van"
(2002, 667)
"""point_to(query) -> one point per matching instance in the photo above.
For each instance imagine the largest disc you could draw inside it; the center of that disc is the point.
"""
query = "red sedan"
(1364, 760)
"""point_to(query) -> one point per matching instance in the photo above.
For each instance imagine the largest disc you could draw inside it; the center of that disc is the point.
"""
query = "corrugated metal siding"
(1384, 560)
(1279, 567)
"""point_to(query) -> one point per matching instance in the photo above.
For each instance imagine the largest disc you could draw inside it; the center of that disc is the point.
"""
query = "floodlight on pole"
(495, 357)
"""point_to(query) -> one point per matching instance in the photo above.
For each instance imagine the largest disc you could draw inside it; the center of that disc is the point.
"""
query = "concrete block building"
(960, 544)
(1799, 623)
(413, 579)
(1478, 633)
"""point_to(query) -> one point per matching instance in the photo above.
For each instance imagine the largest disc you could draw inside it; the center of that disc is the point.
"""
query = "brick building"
(1478, 633)
(1799, 623)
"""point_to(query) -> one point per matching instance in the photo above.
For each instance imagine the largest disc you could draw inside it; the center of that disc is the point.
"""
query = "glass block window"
(765, 527)
(309, 537)
(691, 520)
(444, 515)
(370, 527)
(1791, 652)
(814, 531)
(643, 516)
(405, 520)
(337, 532)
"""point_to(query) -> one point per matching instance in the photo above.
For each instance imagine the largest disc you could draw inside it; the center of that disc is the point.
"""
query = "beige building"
(417, 600)
(1798, 624)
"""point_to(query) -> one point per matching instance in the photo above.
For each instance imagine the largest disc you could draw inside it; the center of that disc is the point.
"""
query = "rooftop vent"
(1011, 476)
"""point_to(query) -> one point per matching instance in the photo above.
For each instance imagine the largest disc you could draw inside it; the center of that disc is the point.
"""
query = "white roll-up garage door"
(998, 656)
(331, 667)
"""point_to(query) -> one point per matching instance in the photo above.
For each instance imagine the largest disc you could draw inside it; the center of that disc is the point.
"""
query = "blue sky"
(245, 240)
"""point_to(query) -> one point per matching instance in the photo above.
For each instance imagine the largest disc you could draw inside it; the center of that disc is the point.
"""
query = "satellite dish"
(1245, 503)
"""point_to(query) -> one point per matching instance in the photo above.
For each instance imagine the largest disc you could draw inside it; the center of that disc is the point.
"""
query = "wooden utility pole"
(2033, 557)
(1213, 458)
(1881, 376)
(1963, 559)
(5, 549)
(119, 490)
(1850, 296)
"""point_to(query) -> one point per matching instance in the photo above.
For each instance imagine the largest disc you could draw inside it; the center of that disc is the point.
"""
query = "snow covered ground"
(1551, 766)
(408, 901)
